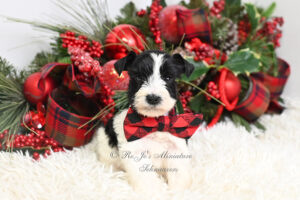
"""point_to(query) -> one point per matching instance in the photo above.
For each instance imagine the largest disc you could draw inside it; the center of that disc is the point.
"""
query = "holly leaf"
(196, 103)
(200, 69)
(243, 61)
(269, 11)
(254, 16)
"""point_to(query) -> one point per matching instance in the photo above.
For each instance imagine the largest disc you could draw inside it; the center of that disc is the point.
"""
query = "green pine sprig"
(13, 105)
(84, 17)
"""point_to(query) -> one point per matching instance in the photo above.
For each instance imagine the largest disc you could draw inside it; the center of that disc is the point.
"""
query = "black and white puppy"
(152, 93)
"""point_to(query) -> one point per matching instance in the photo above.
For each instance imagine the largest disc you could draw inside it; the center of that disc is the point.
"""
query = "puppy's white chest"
(164, 139)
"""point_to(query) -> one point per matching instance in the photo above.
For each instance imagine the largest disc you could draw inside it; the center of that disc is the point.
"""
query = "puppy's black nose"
(153, 99)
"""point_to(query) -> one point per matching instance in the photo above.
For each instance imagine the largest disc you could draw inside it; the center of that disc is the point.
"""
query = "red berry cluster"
(213, 90)
(244, 28)
(106, 99)
(271, 30)
(141, 13)
(185, 98)
(202, 50)
(217, 8)
(69, 39)
(34, 119)
(37, 139)
(153, 22)
(83, 60)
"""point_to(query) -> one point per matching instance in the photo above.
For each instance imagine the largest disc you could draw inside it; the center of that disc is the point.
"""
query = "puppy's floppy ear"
(185, 67)
(124, 63)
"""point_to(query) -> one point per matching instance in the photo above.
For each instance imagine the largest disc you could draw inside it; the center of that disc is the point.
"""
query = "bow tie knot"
(183, 125)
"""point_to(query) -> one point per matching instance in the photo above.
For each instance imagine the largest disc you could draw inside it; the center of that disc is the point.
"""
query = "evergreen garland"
(13, 105)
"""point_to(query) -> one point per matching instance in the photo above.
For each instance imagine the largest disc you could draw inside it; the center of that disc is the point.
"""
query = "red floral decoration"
(154, 22)
(185, 98)
(141, 13)
(36, 139)
(217, 8)
(204, 51)
(69, 39)
(244, 28)
(271, 30)
(213, 90)
(84, 61)
(83, 54)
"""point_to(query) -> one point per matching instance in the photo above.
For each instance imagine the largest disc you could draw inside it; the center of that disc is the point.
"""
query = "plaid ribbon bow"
(194, 23)
(183, 125)
(61, 124)
(70, 81)
(263, 93)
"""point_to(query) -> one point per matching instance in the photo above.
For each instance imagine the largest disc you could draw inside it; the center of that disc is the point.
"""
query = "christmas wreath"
(57, 102)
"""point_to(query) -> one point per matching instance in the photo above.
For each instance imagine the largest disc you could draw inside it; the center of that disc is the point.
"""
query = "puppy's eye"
(167, 78)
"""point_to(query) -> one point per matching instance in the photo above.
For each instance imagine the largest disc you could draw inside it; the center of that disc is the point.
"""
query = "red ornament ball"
(168, 23)
(232, 86)
(112, 79)
(122, 36)
(35, 92)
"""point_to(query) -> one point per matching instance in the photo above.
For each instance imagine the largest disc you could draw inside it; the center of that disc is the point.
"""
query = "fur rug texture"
(228, 163)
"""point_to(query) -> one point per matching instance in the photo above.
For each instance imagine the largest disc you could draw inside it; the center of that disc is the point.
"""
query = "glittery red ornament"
(229, 88)
(35, 90)
(232, 86)
(112, 79)
(124, 35)
(168, 23)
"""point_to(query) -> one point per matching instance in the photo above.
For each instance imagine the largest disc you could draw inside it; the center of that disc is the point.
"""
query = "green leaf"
(129, 10)
(195, 103)
(266, 54)
(233, 9)
(254, 16)
(179, 107)
(163, 3)
(200, 69)
(65, 60)
(240, 121)
(259, 126)
(269, 11)
(243, 61)
(233, 2)
(274, 62)
(199, 104)
(280, 100)
(192, 4)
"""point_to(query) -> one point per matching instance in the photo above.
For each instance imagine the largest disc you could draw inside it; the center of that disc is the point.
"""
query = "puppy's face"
(152, 86)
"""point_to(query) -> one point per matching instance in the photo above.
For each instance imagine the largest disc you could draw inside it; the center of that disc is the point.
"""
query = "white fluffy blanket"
(228, 163)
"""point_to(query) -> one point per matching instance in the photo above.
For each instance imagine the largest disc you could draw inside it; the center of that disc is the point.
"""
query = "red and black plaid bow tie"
(183, 125)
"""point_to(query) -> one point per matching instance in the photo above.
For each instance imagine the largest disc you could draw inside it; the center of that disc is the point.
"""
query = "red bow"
(183, 125)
